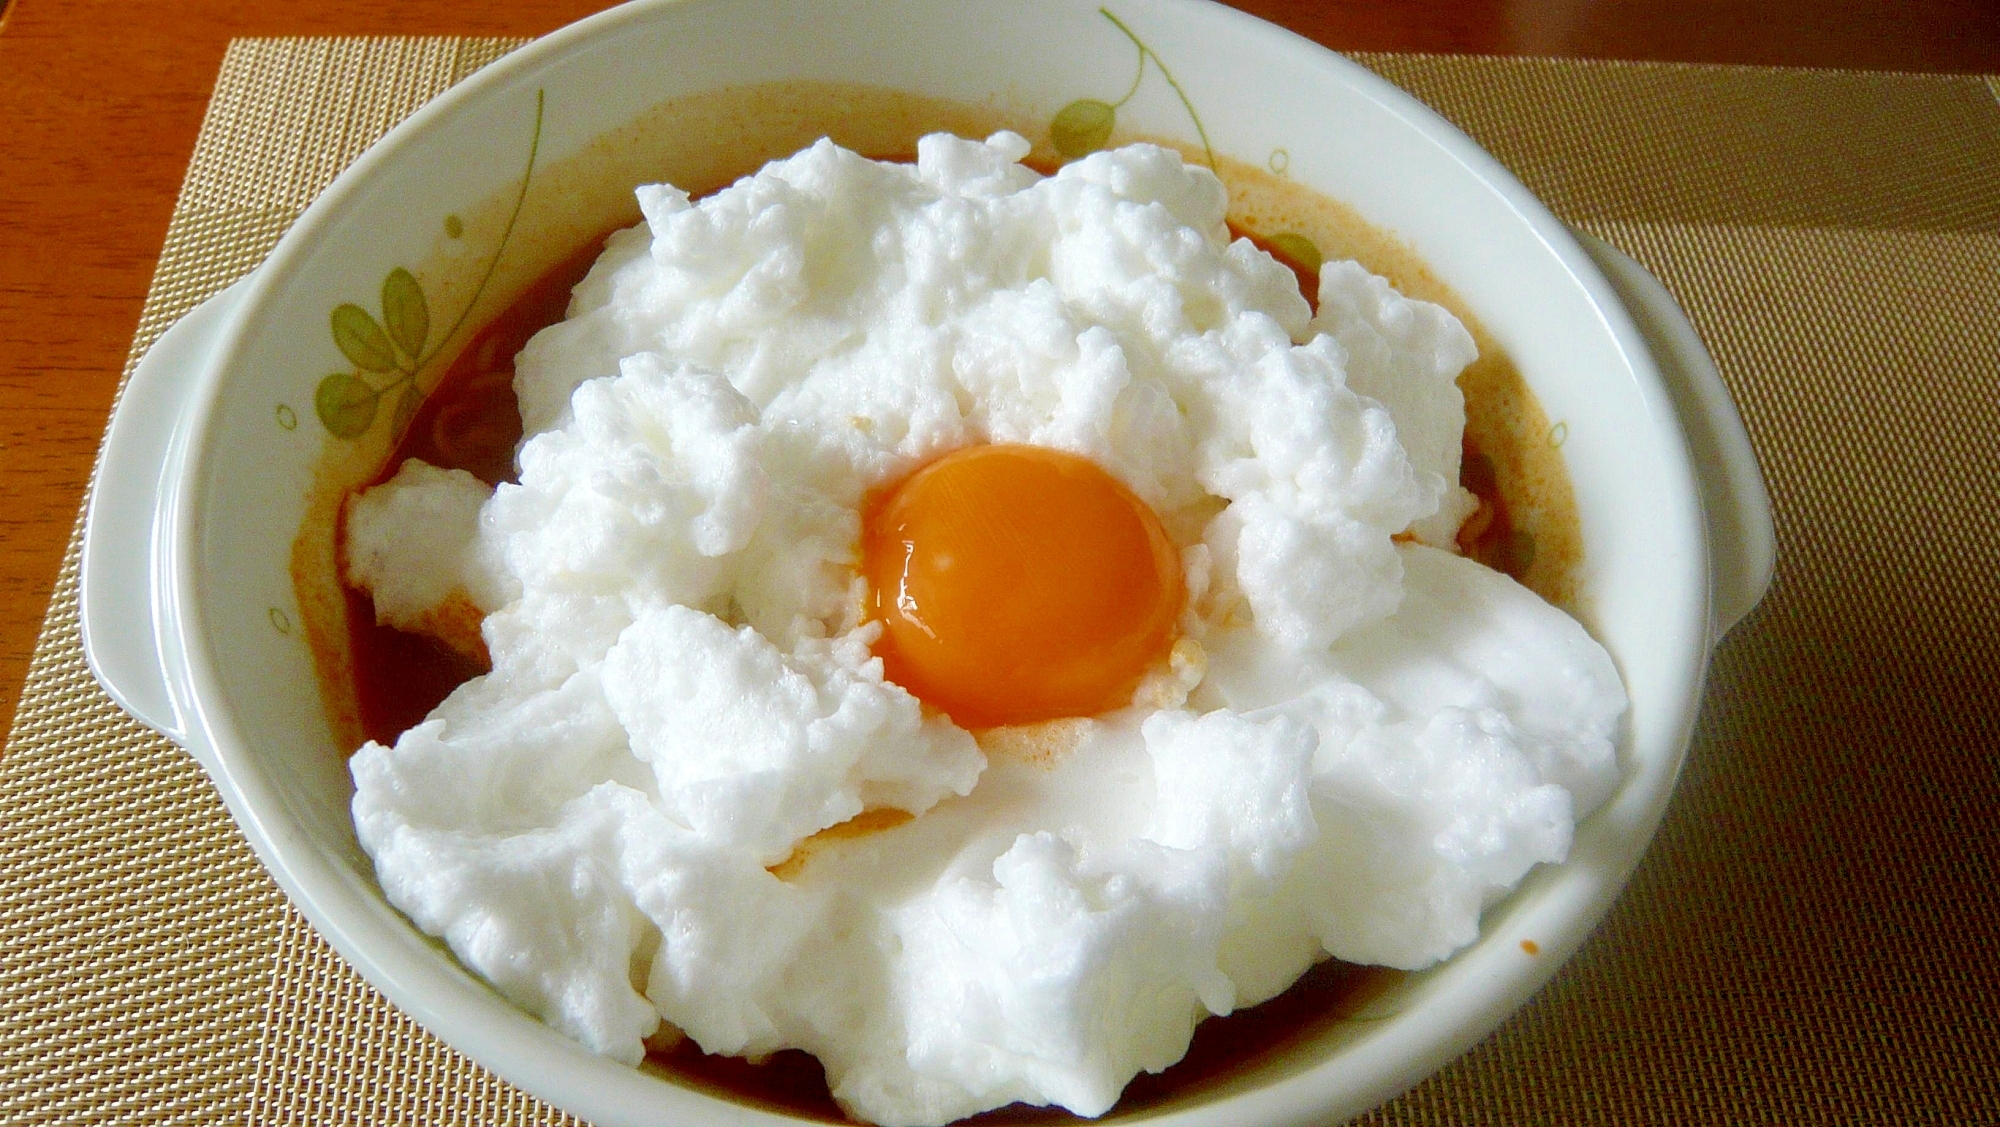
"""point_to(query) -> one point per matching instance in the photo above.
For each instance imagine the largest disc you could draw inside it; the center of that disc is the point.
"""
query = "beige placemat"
(1812, 938)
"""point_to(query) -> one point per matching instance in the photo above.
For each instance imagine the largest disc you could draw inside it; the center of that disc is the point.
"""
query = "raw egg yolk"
(1016, 584)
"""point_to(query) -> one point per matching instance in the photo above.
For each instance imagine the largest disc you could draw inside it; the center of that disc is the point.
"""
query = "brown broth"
(470, 421)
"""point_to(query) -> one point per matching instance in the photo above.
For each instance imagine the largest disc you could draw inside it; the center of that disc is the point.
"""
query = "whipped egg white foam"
(1360, 741)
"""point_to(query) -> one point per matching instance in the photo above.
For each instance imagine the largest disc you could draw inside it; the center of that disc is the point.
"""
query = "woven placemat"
(1812, 938)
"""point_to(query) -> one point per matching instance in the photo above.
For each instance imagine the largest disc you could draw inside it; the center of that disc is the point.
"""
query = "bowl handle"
(1742, 540)
(126, 636)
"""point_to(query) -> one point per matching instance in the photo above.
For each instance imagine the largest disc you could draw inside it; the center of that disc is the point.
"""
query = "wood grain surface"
(103, 100)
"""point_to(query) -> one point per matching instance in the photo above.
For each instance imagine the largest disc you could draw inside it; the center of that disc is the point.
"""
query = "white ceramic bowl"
(190, 612)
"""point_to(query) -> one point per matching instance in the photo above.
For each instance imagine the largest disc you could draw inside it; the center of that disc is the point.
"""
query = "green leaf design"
(362, 340)
(405, 313)
(1297, 250)
(1082, 127)
(345, 404)
(406, 411)
(1146, 53)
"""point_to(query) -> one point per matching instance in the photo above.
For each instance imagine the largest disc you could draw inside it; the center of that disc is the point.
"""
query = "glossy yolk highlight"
(1017, 583)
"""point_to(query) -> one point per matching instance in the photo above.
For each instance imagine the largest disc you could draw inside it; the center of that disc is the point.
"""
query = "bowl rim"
(1396, 1054)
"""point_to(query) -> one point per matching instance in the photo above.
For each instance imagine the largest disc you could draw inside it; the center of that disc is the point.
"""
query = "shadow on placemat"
(1811, 938)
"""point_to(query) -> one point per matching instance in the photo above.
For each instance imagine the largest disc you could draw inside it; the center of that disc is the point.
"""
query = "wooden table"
(103, 100)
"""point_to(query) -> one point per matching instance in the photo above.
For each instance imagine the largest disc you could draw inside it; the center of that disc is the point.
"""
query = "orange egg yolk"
(1016, 584)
